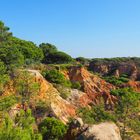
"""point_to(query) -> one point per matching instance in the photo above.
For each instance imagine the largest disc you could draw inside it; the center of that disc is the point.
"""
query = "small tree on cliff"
(26, 86)
(4, 78)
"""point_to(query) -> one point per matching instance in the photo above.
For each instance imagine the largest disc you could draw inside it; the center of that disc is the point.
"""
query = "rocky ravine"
(64, 109)
(94, 88)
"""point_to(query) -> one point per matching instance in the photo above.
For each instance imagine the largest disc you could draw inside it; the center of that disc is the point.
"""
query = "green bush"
(4, 77)
(96, 114)
(63, 90)
(67, 83)
(52, 129)
(41, 107)
(82, 60)
(55, 76)
(123, 79)
(121, 91)
(116, 81)
(127, 111)
(87, 115)
(7, 102)
(19, 129)
(65, 95)
(76, 85)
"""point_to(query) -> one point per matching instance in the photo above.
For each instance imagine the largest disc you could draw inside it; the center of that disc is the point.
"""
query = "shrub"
(87, 115)
(52, 129)
(67, 83)
(76, 85)
(123, 79)
(65, 95)
(55, 76)
(82, 60)
(121, 91)
(96, 114)
(116, 81)
(7, 102)
(41, 107)
(19, 129)
(4, 77)
(127, 111)
(64, 91)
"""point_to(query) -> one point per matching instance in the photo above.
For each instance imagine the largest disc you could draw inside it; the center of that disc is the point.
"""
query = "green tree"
(83, 60)
(28, 49)
(19, 129)
(4, 77)
(4, 33)
(11, 56)
(52, 129)
(47, 48)
(53, 56)
(30, 52)
(58, 58)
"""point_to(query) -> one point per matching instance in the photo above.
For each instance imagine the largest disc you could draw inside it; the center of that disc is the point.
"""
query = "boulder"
(102, 131)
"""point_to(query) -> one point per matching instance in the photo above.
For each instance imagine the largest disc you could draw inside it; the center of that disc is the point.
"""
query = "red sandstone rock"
(93, 86)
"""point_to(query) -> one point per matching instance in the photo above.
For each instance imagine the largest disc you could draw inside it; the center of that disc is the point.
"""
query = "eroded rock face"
(135, 85)
(60, 108)
(78, 98)
(116, 69)
(102, 131)
(93, 86)
(129, 69)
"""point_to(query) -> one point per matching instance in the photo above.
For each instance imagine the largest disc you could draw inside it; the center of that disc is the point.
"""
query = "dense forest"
(18, 88)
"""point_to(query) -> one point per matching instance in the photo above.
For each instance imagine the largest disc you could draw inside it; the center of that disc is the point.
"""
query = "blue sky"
(89, 28)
